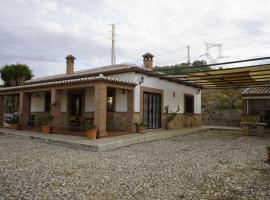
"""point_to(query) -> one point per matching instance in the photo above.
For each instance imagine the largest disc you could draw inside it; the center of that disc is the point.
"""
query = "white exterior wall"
(89, 99)
(63, 103)
(37, 102)
(120, 101)
(168, 89)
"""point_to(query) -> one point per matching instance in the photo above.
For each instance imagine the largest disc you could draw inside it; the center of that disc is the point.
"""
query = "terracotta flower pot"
(14, 126)
(91, 134)
(46, 129)
(268, 155)
(169, 125)
(141, 130)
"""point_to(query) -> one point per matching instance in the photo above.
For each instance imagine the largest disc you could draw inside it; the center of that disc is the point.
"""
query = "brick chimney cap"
(70, 57)
(147, 55)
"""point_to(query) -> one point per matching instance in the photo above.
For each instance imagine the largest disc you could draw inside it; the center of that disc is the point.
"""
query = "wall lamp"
(141, 80)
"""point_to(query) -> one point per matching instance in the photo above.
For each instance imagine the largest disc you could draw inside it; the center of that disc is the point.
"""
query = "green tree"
(15, 74)
(183, 68)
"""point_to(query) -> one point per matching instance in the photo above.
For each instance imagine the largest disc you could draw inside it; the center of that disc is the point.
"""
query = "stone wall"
(221, 117)
(117, 121)
(216, 109)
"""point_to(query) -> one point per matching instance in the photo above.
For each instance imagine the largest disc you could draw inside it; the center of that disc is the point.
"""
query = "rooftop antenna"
(113, 62)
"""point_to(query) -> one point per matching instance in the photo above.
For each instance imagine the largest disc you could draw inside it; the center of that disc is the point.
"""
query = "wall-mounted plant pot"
(46, 129)
(14, 126)
(91, 134)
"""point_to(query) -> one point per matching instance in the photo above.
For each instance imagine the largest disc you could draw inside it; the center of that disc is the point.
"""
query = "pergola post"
(1, 110)
(100, 110)
(24, 108)
(130, 110)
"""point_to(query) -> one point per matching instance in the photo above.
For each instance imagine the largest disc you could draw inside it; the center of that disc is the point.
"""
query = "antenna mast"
(113, 62)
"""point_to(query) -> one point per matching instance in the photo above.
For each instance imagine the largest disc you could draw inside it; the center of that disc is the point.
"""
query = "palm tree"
(15, 74)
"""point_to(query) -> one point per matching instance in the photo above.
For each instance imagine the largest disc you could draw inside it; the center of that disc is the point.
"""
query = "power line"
(225, 63)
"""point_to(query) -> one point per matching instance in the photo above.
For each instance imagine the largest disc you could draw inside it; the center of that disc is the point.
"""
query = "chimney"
(70, 64)
(148, 61)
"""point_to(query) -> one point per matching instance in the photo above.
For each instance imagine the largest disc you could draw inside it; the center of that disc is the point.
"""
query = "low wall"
(117, 121)
(221, 117)
(184, 121)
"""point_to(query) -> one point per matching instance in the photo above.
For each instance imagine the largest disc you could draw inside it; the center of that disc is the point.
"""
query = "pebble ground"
(211, 165)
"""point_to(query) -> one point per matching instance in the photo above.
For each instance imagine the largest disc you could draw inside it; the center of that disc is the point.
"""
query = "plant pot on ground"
(268, 153)
(45, 123)
(90, 131)
(13, 120)
(140, 126)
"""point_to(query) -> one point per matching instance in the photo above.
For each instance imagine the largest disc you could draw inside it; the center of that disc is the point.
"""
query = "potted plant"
(13, 120)
(170, 117)
(44, 121)
(268, 152)
(90, 131)
(140, 126)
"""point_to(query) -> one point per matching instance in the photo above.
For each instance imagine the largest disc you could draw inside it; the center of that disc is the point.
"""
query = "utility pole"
(188, 56)
(113, 62)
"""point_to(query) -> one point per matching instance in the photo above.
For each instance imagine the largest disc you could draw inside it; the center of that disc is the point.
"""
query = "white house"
(112, 97)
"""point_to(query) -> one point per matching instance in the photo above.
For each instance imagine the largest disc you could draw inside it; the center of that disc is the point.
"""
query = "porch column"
(1, 110)
(244, 107)
(130, 110)
(55, 107)
(24, 108)
(100, 115)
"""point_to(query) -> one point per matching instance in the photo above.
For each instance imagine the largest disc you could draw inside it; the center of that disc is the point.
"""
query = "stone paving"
(210, 165)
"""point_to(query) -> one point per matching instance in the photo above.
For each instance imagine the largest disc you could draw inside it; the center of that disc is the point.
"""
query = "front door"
(75, 104)
(152, 109)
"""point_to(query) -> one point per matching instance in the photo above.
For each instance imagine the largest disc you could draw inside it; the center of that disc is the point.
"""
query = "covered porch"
(105, 102)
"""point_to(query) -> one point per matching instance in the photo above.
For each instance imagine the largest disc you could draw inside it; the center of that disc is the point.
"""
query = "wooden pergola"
(256, 75)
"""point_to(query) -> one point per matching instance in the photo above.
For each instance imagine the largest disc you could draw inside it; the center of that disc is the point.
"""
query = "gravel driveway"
(211, 165)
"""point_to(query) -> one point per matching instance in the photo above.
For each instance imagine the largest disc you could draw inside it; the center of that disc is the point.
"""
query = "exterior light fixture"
(141, 80)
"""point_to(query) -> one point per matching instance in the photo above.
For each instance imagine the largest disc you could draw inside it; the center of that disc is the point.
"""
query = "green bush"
(268, 148)
(45, 120)
(140, 124)
(88, 126)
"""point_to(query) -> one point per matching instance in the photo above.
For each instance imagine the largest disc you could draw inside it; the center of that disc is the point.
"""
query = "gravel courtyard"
(210, 165)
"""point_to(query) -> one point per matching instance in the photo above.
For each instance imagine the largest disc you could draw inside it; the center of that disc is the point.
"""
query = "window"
(47, 101)
(189, 103)
(110, 99)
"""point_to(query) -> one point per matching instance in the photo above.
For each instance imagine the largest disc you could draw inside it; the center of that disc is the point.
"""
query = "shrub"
(45, 119)
(88, 126)
(140, 124)
(268, 148)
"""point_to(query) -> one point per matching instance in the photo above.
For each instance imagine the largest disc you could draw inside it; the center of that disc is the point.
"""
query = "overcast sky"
(41, 33)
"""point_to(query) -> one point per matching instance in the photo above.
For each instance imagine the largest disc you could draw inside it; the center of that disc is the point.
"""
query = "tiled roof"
(257, 91)
(106, 70)
(68, 81)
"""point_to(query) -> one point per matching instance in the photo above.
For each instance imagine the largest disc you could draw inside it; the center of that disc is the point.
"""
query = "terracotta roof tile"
(257, 91)
(68, 81)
